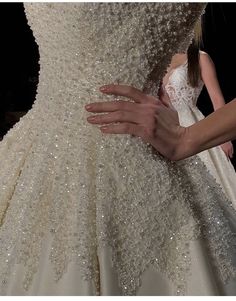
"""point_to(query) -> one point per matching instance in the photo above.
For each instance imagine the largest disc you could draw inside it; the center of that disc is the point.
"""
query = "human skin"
(208, 76)
(157, 123)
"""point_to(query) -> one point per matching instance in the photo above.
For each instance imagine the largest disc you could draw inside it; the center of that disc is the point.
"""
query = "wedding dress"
(86, 214)
(184, 99)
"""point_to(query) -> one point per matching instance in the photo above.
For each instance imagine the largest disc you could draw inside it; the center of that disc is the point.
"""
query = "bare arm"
(158, 124)
(209, 77)
(217, 128)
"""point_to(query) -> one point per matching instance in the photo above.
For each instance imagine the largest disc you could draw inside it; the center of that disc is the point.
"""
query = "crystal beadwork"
(61, 179)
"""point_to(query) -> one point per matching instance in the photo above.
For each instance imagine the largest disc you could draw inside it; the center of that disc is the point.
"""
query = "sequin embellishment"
(61, 179)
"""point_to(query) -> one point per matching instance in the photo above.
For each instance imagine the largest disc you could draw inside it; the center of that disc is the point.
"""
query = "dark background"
(19, 59)
(219, 27)
(18, 65)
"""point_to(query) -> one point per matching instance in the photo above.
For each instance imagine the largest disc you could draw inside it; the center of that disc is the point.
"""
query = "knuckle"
(99, 118)
(120, 114)
(127, 127)
(116, 115)
(128, 105)
(120, 105)
(150, 111)
(151, 123)
(149, 132)
(130, 90)
(153, 109)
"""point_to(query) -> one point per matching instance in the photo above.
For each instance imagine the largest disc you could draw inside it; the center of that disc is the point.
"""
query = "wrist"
(185, 146)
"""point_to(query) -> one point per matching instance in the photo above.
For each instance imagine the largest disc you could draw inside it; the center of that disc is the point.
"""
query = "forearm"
(214, 130)
(218, 104)
(158, 124)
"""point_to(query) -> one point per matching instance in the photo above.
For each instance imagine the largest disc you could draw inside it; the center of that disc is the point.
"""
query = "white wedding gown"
(184, 99)
(86, 214)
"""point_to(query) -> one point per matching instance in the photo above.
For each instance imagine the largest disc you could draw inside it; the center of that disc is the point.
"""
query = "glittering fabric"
(60, 176)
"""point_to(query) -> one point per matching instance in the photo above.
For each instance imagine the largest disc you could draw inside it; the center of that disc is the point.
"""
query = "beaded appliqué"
(61, 177)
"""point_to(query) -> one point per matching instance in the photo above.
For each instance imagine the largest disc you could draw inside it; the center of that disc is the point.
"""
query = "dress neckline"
(171, 72)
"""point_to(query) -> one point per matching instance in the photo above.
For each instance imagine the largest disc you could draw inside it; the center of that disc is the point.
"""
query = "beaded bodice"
(63, 179)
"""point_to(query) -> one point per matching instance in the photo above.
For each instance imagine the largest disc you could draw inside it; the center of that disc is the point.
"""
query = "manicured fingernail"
(91, 118)
(104, 89)
(88, 107)
(104, 128)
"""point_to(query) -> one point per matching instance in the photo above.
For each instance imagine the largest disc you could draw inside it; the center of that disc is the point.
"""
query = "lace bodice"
(180, 92)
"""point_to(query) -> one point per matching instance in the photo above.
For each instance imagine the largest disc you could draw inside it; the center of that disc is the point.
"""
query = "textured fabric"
(184, 99)
(86, 214)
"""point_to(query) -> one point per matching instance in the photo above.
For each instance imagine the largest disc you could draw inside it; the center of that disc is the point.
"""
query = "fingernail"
(91, 118)
(88, 107)
(104, 128)
(104, 89)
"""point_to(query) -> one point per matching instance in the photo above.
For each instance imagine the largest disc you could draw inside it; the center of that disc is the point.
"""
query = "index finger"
(127, 91)
(110, 106)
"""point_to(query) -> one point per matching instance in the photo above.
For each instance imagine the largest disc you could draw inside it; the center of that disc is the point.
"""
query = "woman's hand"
(228, 149)
(142, 115)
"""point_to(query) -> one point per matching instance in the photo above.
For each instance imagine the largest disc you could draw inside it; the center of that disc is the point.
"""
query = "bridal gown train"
(184, 99)
(86, 214)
